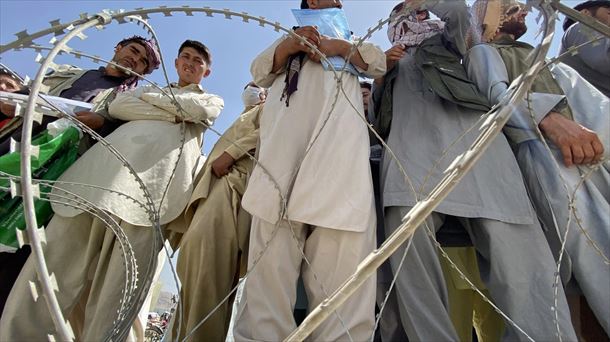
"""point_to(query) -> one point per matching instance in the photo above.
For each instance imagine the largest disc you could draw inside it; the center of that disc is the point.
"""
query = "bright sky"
(233, 43)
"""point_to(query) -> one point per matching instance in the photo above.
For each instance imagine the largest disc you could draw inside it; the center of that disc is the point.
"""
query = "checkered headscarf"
(405, 29)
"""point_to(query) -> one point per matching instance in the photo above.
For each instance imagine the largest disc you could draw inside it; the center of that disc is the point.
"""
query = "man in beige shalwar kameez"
(214, 248)
(82, 253)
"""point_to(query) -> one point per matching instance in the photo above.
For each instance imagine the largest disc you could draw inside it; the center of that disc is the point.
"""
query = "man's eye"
(513, 10)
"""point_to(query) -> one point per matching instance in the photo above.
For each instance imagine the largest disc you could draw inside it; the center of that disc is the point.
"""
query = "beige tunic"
(238, 139)
(150, 142)
(329, 185)
(216, 242)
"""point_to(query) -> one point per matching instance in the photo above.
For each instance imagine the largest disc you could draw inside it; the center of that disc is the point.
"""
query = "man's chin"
(515, 29)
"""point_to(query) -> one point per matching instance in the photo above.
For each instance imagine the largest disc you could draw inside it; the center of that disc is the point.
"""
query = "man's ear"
(586, 11)
(118, 48)
(313, 4)
(207, 73)
(176, 63)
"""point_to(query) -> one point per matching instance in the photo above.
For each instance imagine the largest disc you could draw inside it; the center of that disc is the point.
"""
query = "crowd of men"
(297, 190)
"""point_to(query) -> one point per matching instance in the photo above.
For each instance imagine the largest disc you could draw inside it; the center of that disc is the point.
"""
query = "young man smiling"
(81, 251)
(97, 86)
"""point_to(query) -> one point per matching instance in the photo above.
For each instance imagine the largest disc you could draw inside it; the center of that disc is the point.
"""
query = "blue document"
(330, 22)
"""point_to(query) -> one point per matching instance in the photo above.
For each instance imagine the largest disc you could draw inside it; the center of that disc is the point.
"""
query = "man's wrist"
(345, 48)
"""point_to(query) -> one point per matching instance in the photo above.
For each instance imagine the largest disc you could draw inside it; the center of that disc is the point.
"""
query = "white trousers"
(265, 311)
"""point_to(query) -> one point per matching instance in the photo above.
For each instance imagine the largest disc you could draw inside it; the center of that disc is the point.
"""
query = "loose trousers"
(516, 265)
(84, 255)
(265, 310)
(212, 251)
(591, 206)
(467, 308)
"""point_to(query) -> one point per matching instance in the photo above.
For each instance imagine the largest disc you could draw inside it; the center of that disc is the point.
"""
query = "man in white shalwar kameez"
(574, 118)
(81, 251)
(314, 154)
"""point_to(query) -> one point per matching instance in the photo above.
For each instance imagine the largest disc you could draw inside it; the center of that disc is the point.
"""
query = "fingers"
(588, 150)
(566, 152)
(310, 33)
(578, 144)
(588, 154)
(598, 150)
(578, 154)
(395, 53)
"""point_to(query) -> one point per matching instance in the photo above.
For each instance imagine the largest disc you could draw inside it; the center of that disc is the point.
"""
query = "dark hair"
(365, 84)
(592, 5)
(398, 7)
(199, 47)
(304, 4)
(134, 39)
(252, 84)
(5, 71)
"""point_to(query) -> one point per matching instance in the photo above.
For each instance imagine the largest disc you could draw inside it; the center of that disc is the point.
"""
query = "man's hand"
(393, 55)
(293, 45)
(90, 119)
(7, 109)
(331, 47)
(578, 144)
(222, 165)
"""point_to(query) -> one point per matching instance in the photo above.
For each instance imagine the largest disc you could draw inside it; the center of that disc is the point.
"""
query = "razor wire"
(122, 18)
(167, 11)
(371, 263)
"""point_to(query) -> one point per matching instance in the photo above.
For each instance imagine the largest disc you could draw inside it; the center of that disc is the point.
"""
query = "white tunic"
(329, 185)
(150, 142)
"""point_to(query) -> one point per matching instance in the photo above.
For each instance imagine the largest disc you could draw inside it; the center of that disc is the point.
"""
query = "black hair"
(199, 47)
(591, 5)
(304, 4)
(365, 84)
(252, 84)
(134, 39)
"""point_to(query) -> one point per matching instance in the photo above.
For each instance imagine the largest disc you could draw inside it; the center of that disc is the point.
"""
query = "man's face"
(132, 56)
(602, 14)
(515, 23)
(322, 4)
(8, 84)
(191, 66)
(366, 94)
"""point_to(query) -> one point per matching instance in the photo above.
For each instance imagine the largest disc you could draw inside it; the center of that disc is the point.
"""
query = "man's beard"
(514, 27)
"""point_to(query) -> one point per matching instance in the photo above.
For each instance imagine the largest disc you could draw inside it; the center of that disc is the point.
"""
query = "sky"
(233, 43)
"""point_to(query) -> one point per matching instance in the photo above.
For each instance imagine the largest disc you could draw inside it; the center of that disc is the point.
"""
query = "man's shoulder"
(66, 70)
(578, 33)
